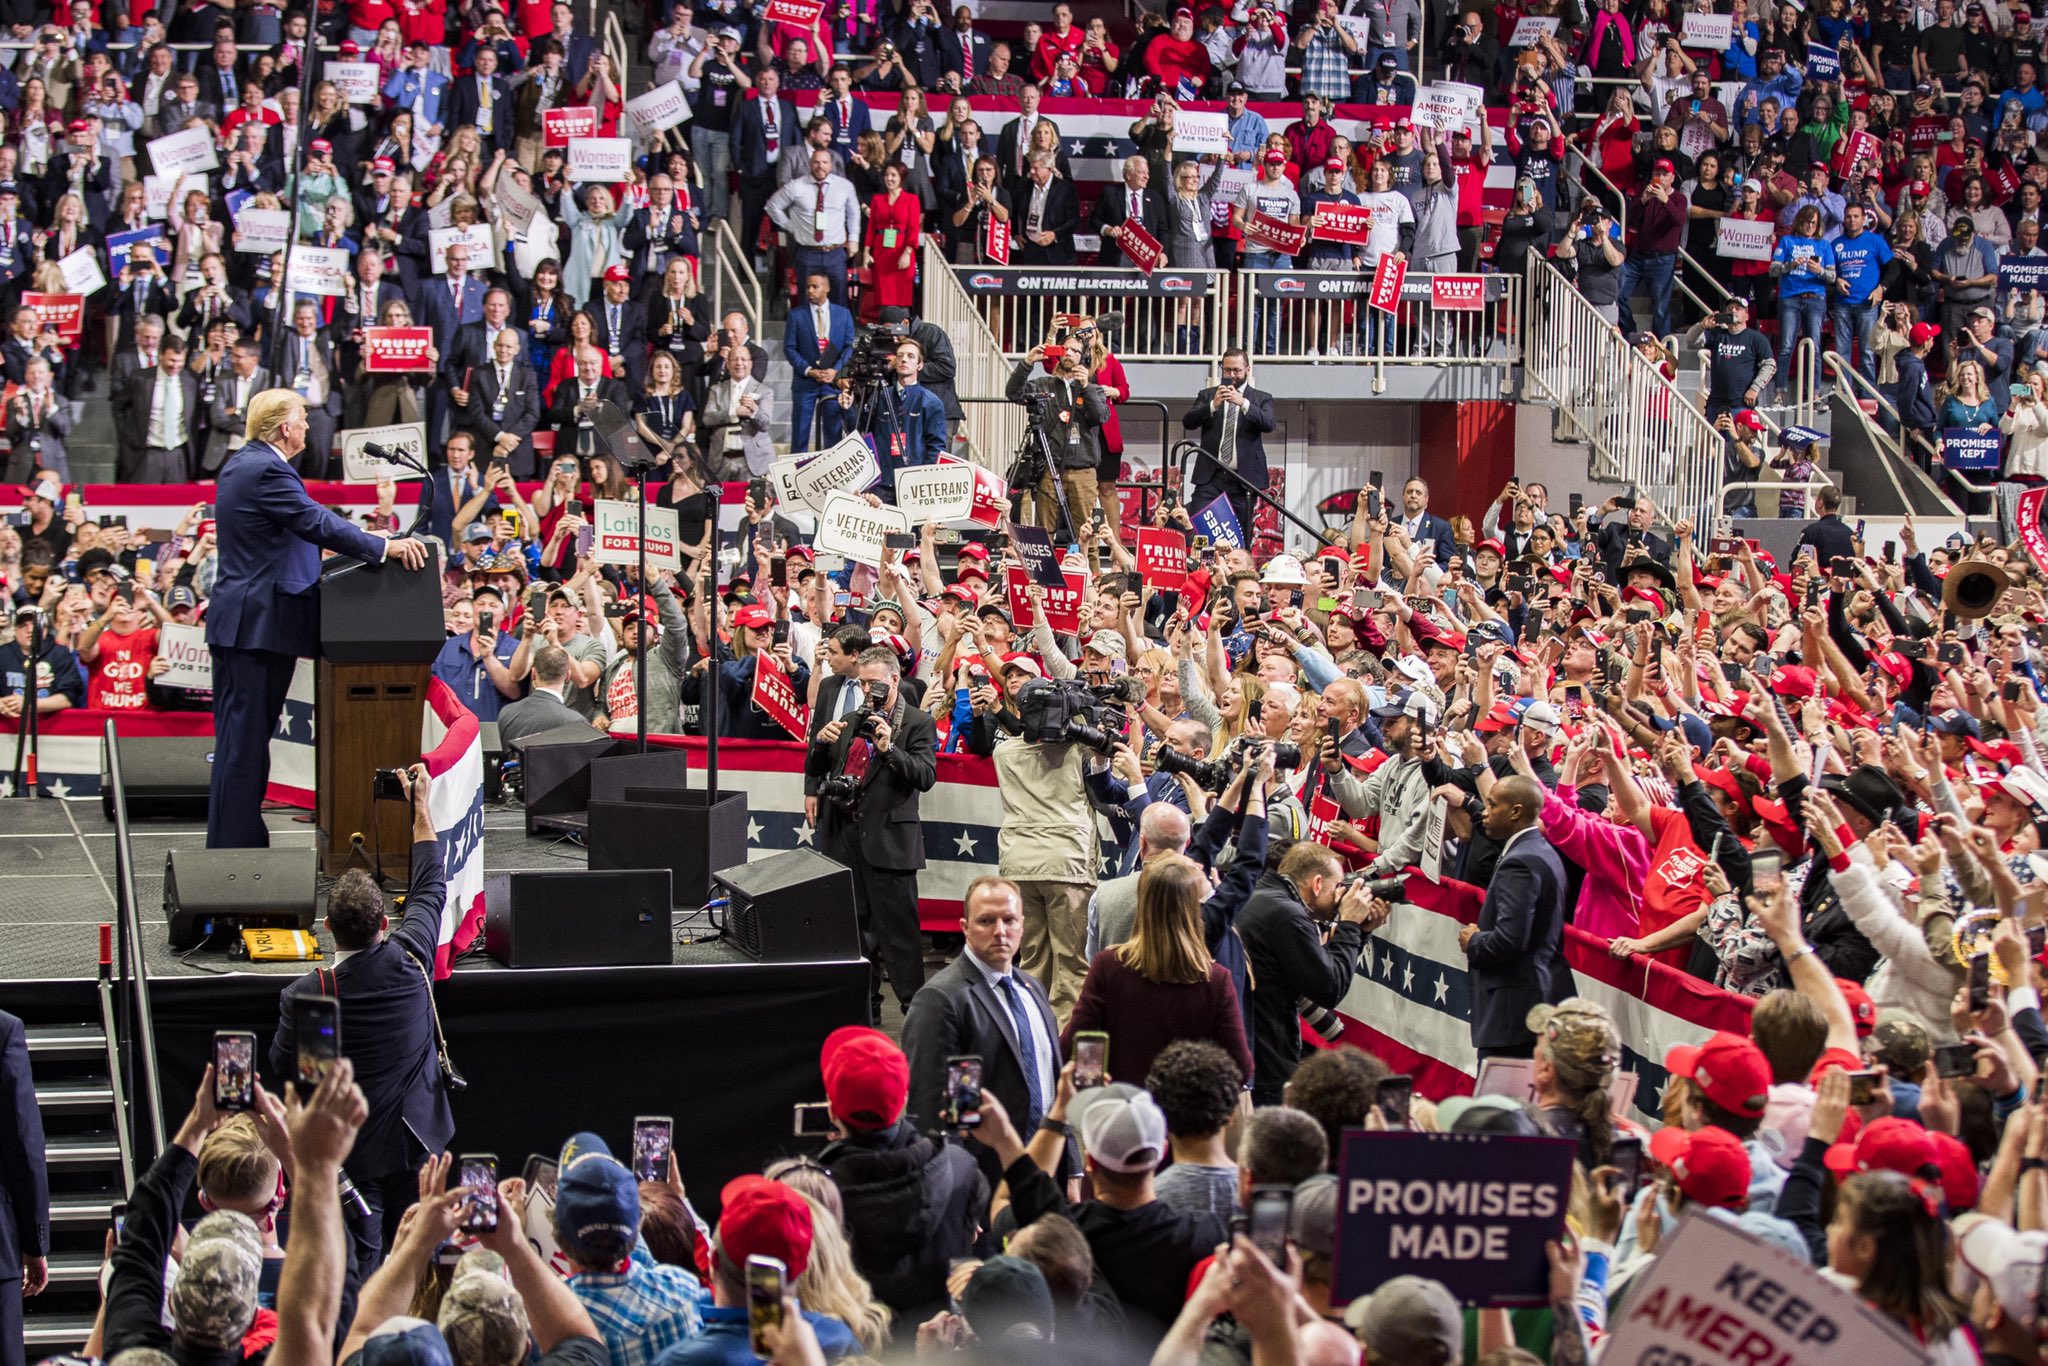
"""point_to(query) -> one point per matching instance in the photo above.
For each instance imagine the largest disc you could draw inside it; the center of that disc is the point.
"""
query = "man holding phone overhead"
(381, 977)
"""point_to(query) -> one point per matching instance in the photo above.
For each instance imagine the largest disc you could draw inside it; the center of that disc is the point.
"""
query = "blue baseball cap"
(403, 1340)
(597, 1203)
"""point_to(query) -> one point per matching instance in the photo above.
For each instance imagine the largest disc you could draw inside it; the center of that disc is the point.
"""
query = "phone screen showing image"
(1272, 1207)
(1626, 1157)
(653, 1140)
(478, 1178)
(963, 1092)
(234, 1070)
(317, 1020)
(1393, 1096)
(1091, 1059)
(766, 1277)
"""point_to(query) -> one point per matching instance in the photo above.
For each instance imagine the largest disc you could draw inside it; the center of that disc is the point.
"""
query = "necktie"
(771, 125)
(1226, 448)
(455, 293)
(818, 217)
(1027, 1050)
(967, 58)
(1137, 212)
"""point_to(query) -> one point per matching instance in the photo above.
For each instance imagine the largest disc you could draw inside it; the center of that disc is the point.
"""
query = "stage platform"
(722, 1043)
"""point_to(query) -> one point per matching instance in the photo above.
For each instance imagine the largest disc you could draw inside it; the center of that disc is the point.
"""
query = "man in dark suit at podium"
(380, 976)
(265, 613)
(891, 755)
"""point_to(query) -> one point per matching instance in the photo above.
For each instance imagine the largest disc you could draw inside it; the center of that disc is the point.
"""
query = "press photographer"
(904, 421)
(866, 770)
(1068, 409)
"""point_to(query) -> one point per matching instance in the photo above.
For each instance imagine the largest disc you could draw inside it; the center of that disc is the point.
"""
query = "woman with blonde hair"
(1239, 697)
(1161, 985)
(830, 1285)
(595, 233)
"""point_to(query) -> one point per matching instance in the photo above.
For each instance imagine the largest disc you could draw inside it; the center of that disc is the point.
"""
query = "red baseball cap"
(1663, 167)
(1276, 157)
(1749, 418)
(1730, 1069)
(1795, 680)
(763, 1218)
(867, 1078)
(1959, 1184)
(1501, 718)
(1333, 164)
(1923, 333)
(755, 618)
(1861, 1008)
(1896, 666)
(1833, 1057)
(972, 550)
(383, 166)
(616, 271)
(1724, 780)
(1890, 1144)
(1710, 1165)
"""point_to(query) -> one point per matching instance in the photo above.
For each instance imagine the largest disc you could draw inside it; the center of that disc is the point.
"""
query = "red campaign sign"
(995, 243)
(1451, 293)
(802, 13)
(1350, 223)
(991, 500)
(1387, 278)
(1162, 557)
(1322, 810)
(776, 695)
(558, 126)
(1923, 133)
(1062, 605)
(64, 313)
(387, 349)
(2004, 184)
(2032, 538)
(1141, 246)
(1863, 147)
(1274, 234)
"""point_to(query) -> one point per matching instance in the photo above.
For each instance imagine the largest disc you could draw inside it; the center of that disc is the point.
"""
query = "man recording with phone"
(1740, 365)
(382, 979)
(866, 770)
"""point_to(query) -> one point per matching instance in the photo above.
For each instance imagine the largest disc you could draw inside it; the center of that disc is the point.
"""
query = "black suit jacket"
(957, 1012)
(24, 1177)
(1061, 217)
(887, 827)
(951, 43)
(470, 349)
(1517, 958)
(632, 346)
(1252, 425)
(561, 416)
(135, 430)
(387, 1030)
(464, 107)
(1113, 208)
(750, 137)
(520, 416)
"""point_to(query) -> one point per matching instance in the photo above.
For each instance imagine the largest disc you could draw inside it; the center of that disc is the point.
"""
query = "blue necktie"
(1028, 1047)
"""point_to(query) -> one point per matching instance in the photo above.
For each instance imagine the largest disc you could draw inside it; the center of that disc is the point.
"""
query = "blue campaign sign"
(1964, 448)
(1218, 521)
(1470, 1210)
(1822, 63)
(2023, 273)
(118, 244)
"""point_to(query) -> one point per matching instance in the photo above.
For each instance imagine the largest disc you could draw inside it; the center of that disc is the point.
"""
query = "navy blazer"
(1252, 425)
(387, 1030)
(908, 429)
(24, 1179)
(1517, 959)
(438, 309)
(845, 133)
(800, 340)
(750, 138)
(956, 1012)
(270, 534)
(1436, 531)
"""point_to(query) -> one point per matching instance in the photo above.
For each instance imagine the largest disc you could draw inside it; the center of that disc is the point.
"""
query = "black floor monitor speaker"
(579, 919)
(166, 777)
(674, 829)
(611, 775)
(206, 890)
(556, 768)
(794, 907)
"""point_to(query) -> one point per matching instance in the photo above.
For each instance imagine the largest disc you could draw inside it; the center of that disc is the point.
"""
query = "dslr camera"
(843, 789)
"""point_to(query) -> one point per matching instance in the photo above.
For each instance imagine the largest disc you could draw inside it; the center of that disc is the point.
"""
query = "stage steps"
(74, 1089)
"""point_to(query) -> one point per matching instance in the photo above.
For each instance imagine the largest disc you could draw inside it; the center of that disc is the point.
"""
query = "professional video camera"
(1062, 711)
(843, 788)
(1213, 775)
(872, 358)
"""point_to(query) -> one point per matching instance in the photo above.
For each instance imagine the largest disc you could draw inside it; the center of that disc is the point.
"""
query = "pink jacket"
(1616, 859)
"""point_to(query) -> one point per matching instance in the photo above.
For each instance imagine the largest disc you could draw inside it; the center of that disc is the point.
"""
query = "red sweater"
(1142, 1017)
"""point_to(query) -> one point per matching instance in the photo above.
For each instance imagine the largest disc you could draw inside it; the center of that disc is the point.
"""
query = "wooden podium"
(380, 628)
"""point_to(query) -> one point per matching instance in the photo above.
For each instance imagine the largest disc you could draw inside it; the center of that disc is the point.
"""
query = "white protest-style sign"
(1531, 28)
(936, 493)
(600, 159)
(662, 107)
(189, 152)
(1714, 31)
(1515, 1077)
(318, 270)
(357, 81)
(1201, 132)
(1719, 1296)
(477, 237)
(519, 206)
(1744, 239)
(263, 230)
(1448, 105)
(618, 535)
(82, 273)
(1358, 26)
(848, 466)
(1433, 839)
(442, 215)
(184, 648)
(848, 527)
(156, 196)
(782, 476)
(400, 438)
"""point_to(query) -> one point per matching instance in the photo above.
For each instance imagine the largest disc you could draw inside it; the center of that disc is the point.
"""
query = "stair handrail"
(731, 268)
(134, 971)
(992, 430)
(1837, 365)
(111, 1035)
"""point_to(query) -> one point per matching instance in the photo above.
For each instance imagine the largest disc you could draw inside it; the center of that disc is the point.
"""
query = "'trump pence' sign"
(1470, 1210)
(1718, 1297)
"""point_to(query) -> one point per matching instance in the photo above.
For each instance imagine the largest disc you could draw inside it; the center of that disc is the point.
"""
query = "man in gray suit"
(543, 708)
(1113, 910)
(247, 377)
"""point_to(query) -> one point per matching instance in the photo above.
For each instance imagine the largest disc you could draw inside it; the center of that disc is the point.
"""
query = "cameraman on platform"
(1070, 408)
(904, 421)
(866, 770)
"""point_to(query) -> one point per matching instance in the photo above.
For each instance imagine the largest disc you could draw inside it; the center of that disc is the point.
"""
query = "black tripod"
(1032, 463)
(28, 735)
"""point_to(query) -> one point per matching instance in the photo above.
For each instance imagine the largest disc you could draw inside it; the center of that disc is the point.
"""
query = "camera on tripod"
(874, 350)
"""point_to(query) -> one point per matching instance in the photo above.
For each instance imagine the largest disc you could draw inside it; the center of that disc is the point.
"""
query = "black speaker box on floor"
(689, 835)
(206, 890)
(556, 768)
(793, 907)
(577, 918)
(166, 777)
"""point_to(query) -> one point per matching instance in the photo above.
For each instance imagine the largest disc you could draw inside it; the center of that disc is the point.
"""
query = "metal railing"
(1171, 315)
(992, 430)
(1801, 392)
(138, 1041)
(1640, 428)
(1327, 318)
(734, 284)
(1890, 448)
(614, 44)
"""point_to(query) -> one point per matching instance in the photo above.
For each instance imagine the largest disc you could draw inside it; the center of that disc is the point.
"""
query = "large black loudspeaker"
(670, 828)
(795, 907)
(207, 890)
(556, 767)
(166, 777)
(578, 919)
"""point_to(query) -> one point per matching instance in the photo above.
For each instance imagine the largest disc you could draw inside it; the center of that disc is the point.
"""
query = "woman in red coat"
(891, 246)
(1107, 371)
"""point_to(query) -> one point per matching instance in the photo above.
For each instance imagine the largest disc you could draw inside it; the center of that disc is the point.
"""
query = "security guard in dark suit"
(870, 821)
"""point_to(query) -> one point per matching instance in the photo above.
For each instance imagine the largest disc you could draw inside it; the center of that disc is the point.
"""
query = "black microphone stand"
(28, 734)
(1320, 537)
